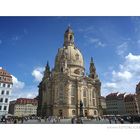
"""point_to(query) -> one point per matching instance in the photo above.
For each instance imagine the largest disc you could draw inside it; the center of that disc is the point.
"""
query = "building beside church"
(5, 91)
(138, 95)
(66, 90)
(103, 105)
(122, 104)
(131, 104)
(23, 107)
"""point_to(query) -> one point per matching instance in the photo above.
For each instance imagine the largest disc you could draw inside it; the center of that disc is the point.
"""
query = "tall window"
(7, 92)
(2, 92)
(0, 107)
(73, 91)
(84, 93)
(8, 86)
(61, 95)
(6, 100)
(5, 107)
(3, 85)
(85, 97)
(72, 101)
(77, 56)
(85, 102)
(94, 104)
(1, 100)
(93, 94)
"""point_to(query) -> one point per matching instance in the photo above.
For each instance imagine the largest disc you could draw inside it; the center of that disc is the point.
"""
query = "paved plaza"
(68, 121)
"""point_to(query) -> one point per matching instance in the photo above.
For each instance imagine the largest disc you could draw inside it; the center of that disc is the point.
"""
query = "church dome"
(69, 53)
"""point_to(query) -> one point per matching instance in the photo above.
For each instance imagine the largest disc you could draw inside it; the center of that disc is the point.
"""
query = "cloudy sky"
(26, 43)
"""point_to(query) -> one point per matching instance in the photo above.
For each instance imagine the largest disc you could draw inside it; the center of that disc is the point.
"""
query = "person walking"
(15, 121)
(131, 120)
(73, 120)
(22, 120)
(109, 120)
(45, 118)
(122, 121)
(115, 119)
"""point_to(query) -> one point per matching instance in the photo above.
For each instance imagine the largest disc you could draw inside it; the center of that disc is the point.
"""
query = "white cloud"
(130, 57)
(124, 75)
(122, 49)
(17, 84)
(26, 92)
(38, 73)
(21, 90)
(96, 41)
(126, 78)
(111, 85)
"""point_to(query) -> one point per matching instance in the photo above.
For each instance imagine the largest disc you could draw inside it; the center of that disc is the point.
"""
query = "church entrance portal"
(86, 113)
(60, 113)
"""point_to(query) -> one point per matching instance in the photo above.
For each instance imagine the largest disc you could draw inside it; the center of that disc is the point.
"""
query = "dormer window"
(77, 56)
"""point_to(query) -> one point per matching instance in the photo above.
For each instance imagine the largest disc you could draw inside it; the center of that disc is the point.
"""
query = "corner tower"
(92, 69)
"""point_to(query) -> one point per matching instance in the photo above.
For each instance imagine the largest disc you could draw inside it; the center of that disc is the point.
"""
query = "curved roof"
(5, 77)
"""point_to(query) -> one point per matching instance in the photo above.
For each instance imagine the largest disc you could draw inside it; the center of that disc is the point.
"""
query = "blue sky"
(26, 43)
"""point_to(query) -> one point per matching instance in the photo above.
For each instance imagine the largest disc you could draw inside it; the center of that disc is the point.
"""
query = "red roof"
(26, 101)
(112, 96)
(129, 98)
(121, 96)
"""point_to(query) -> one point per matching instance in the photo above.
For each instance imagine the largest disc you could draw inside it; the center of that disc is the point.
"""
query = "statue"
(81, 108)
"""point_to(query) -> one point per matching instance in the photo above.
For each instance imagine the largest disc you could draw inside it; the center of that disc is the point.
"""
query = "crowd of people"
(21, 120)
(57, 119)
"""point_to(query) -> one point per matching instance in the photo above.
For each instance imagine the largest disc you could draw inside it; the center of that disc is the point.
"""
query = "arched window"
(85, 102)
(93, 94)
(77, 56)
(72, 101)
(84, 93)
(94, 103)
(71, 37)
(73, 90)
(61, 94)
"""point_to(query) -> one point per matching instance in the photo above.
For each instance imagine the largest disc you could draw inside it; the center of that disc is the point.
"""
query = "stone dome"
(69, 58)
(71, 54)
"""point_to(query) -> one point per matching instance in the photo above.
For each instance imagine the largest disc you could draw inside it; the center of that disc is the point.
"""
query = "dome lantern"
(68, 37)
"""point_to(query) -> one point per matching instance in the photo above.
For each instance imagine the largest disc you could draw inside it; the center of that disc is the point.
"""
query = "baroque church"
(65, 90)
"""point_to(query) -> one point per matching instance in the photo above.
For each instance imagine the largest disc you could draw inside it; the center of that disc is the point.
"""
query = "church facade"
(65, 90)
